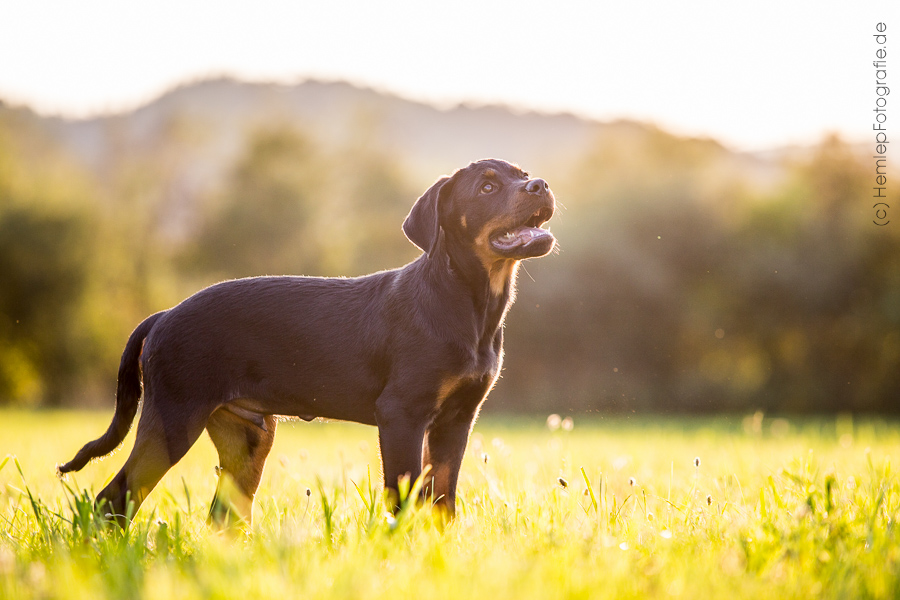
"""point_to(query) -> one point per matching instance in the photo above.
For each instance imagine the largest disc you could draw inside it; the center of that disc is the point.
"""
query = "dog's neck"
(502, 285)
(491, 286)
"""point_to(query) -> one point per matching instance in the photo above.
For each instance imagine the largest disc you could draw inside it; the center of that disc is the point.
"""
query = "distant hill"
(425, 138)
(214, 115)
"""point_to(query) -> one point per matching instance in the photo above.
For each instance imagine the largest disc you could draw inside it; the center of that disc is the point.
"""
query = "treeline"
(679, 286)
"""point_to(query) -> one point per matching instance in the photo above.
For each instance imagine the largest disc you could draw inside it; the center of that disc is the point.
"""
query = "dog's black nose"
(537, 186)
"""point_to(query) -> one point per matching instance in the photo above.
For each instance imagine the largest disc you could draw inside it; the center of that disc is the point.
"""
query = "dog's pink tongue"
(522, 236)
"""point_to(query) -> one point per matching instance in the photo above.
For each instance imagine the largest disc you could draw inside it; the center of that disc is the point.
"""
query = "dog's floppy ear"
(422, 225)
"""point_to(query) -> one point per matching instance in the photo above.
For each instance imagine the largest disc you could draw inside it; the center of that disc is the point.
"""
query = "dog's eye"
(488, 187)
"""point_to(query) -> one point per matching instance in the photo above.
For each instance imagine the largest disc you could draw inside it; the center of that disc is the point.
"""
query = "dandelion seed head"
(568, 424)
(553, 422)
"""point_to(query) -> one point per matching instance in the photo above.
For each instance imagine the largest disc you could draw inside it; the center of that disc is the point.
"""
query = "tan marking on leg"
(243, 448)
(441, 483)
(447, 387)
(437, 490)
(148, 462)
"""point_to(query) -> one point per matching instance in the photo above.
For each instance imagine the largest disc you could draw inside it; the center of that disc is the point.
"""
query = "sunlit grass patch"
(607, 508)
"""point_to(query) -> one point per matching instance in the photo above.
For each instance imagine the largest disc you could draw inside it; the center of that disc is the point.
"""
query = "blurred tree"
(378, 199)
(46, 249)
(815, 288)
(266, 221)
(679, 290)
(640, 230)
(43, 269)
(291, 208)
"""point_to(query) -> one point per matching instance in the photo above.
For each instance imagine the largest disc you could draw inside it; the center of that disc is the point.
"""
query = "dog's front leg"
(446, 441)
(400, 435)
(445, 445)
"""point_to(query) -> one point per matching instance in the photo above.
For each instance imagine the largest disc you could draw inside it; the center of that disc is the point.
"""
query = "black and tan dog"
(414, 350)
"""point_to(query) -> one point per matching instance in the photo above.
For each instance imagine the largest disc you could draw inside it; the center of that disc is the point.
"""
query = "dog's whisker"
(524, 268)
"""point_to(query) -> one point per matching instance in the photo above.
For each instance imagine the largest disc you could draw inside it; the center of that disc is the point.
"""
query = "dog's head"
(491, 208)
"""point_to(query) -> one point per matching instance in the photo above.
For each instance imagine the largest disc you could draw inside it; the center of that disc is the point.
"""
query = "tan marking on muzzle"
(499, 269)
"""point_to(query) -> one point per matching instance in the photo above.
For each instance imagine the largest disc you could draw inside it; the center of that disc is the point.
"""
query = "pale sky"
(753, 75)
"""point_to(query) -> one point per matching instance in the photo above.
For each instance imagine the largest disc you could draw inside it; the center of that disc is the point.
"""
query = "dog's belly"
(254, 410)
(306, 394)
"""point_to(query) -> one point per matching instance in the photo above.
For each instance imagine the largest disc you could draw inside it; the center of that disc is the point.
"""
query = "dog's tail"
(128, 395)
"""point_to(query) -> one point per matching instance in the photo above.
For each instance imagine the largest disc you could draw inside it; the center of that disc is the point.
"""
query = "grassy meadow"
(619, 507)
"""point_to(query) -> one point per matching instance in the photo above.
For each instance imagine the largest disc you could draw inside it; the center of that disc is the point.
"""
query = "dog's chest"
(469, 379)
(483, 360)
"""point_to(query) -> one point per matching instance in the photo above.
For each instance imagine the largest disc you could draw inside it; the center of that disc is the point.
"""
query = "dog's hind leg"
(243, 446)
(164, 435)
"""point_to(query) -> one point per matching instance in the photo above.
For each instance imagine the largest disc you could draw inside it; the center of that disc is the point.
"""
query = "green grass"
(614, 508)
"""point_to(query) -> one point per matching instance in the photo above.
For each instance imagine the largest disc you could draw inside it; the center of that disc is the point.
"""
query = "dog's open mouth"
(527, 234)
